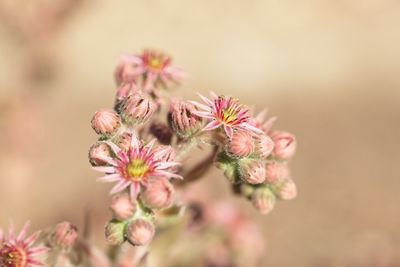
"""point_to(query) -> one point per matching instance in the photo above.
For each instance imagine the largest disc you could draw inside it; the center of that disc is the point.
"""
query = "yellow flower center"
(155, 63)
(229, 115)
(12, 257)
(137, 169)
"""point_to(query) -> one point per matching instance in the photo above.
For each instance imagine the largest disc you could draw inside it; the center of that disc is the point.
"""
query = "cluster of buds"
(256, 162)
(141, 147)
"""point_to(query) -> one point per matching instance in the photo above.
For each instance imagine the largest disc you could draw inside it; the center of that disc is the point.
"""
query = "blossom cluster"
(146, 137)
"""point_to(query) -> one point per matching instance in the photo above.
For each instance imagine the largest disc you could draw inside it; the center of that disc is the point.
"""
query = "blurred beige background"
(328, 69)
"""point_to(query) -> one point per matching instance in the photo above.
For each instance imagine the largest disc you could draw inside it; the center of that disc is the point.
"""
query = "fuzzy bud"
(285, 144)
(241, 144)
(106, 122)
(98, 153)
(137, 109)
(276, 171)
(252, 171)
(159, 193)
(265, 146)
(263, 199)
(122, 206)
(124, 141)
(115, 232)
(183, 120)
(140, 232)
(285, 189)
(64, 235)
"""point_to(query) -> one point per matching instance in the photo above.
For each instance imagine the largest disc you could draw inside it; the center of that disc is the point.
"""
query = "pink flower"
(226, 112)
(159, 194)
(285, 144)
(18, 251)
(106, 122)
(241, 144)
(134, 167)
(183, 119)
(65, 235)
(122, 206)
(155, 67)
(252, 171)
(140, 232)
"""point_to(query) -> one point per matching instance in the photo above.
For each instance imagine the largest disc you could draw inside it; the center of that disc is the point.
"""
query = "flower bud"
(115, 232)
(98, 153)
(106, 122)
(124, 91)
(162, 132)
(64, 235)
(124, 141)
(122, 206)
(252, 171)
(241, 144)
(285, 189)
(140, 232)
(285, 144)
(183, 120)
(276, 171)
(137, 109)
(263, 200)
(265, 145)
(159, 193)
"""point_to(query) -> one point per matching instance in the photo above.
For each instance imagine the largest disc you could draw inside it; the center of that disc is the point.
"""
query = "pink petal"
(201, 106)
(212, 125)
(23, 232)
(166, 165)
(134, 190)
(38, 250)
(135, 143)
(167, 174)
(109, 178)
(104, 169)
(32, 239)
(206, 100)
(228, 131)
(132, 59)
(120, 186)
(251, 128)
(213, 95)
(116, 149)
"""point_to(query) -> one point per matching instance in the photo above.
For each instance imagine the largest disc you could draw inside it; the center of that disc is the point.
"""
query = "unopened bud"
(276, 171)
(98, 153)
(124, 141)
(265, 146)
(115, 232)
(183, 120)
(162, 132)
(285, 144)
(241, 144)
(106, 122)
(124, 91)
(159, 193)
(252, 171)
(137, 109)
(285, 189)
(263, 200)
(140, 232)
(64, 235)
(122, 206)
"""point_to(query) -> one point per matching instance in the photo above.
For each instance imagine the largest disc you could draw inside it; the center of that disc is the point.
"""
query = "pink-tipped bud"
(159, 193)
(276, 171)
(241, 144)
(124, 141)
(252, 171)
(122, 207)
(115, 232)
(265, 146)
(137, 109)
(98, 153)
(285, 144)
(183, 120)
(64, 235)
(106, 122)
(140, 232)
(285, 189)
(125, 90)
(263, 200)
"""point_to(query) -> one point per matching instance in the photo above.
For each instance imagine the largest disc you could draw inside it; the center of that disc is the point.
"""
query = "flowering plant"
(145, 149)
